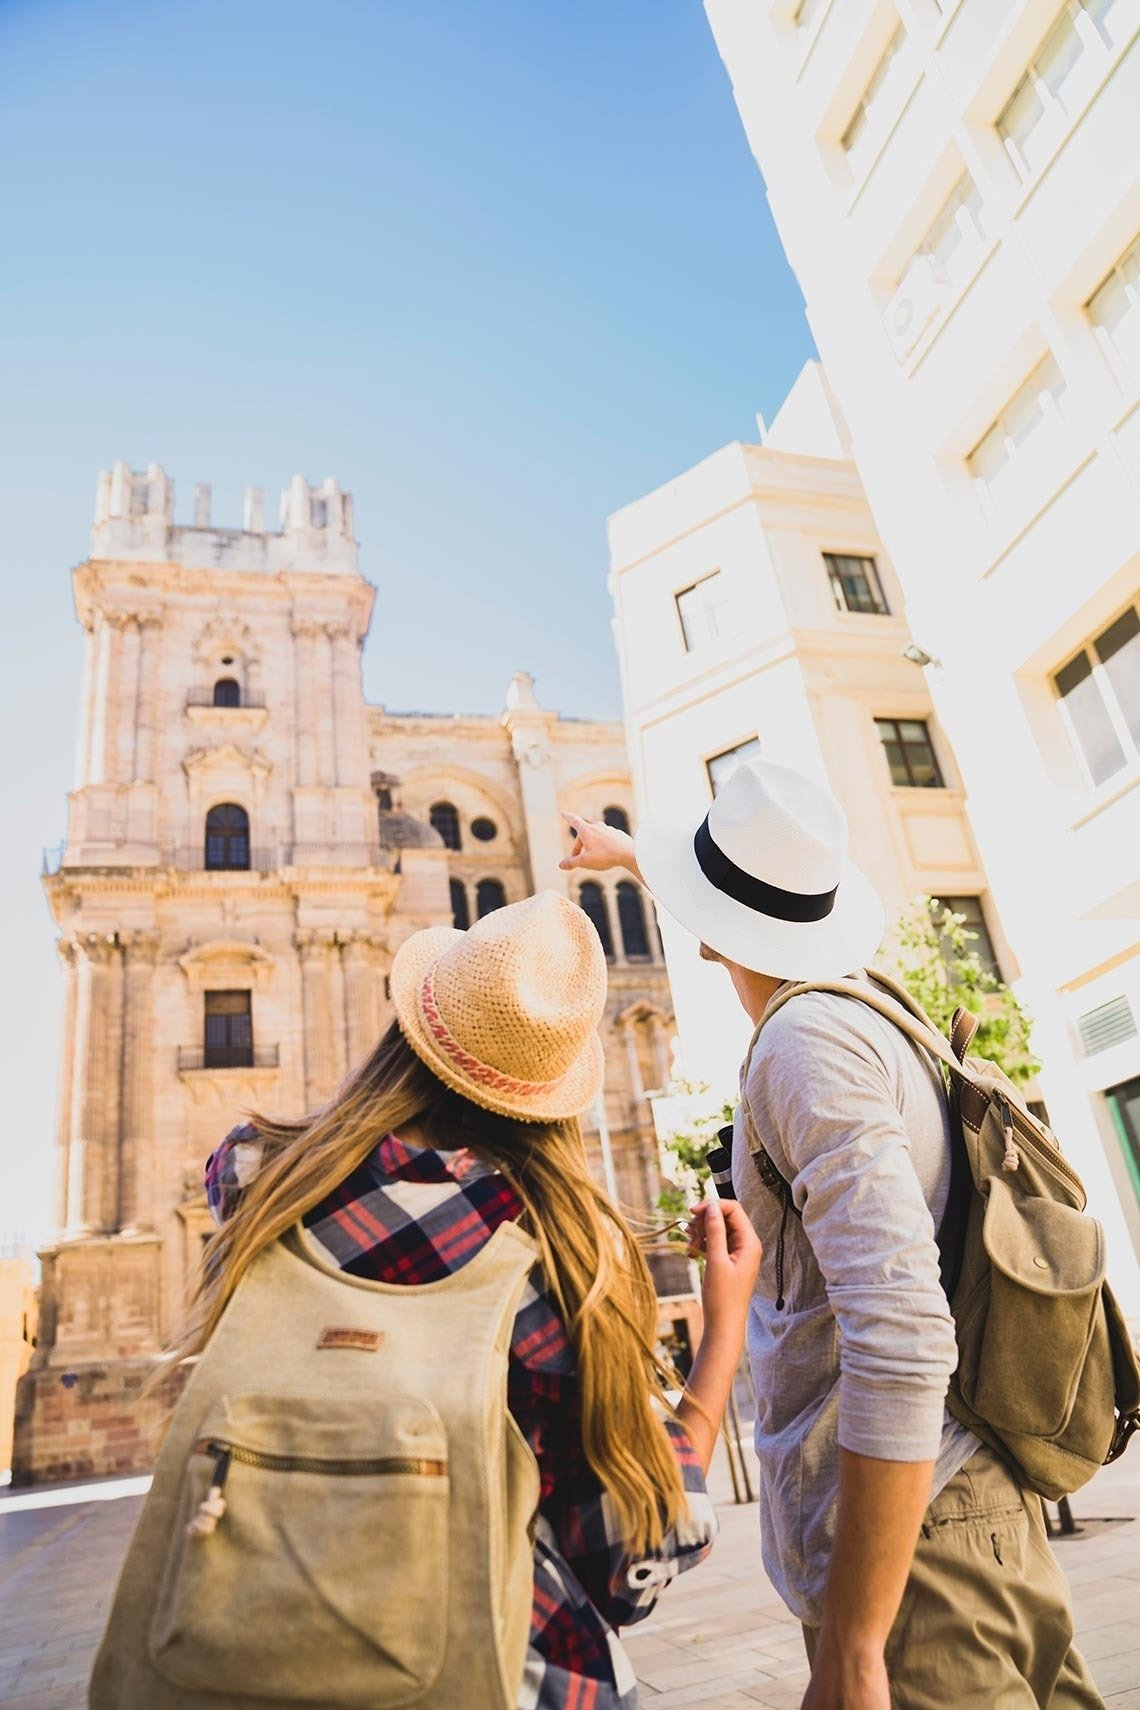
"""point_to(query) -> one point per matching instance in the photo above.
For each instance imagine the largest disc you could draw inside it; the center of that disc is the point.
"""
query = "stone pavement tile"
(1118, 1673)
(1124, 1700)
(1111, 1641)
(684, 1697)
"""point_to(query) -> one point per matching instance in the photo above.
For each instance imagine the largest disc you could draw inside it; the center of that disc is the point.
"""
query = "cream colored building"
(18, 1314)
(756, 611)
(957, 186)
(248, 844)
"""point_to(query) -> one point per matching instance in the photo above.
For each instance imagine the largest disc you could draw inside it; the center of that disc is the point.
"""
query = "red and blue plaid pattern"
(408, 1214)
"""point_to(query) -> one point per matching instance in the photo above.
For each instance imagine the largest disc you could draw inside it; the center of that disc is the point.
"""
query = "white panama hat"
(766, 880)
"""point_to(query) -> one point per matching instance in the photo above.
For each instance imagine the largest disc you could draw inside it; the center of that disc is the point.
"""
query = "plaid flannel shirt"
(412, 1215)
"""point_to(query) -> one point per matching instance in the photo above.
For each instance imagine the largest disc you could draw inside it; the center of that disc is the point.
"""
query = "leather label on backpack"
(347, 1336)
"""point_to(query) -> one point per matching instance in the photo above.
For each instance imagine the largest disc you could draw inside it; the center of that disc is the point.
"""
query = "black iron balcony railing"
(245, 698)
(191, 1057)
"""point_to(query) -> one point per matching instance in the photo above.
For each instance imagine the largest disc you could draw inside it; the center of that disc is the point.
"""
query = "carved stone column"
(323, 705)
(67, 957)
(662, 1057)
(305, 680)
(361, 995)
(127, 700)
(146, 729)
(94, 1095)
(102, 723)
(315, 949)
(629, 1039)
(348, 704)
(136, 1149)
(91, 633)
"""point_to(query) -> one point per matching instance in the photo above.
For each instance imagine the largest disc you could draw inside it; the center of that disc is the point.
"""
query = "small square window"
(701, 610)
(855, 583)
(721, 766)
(910, 753)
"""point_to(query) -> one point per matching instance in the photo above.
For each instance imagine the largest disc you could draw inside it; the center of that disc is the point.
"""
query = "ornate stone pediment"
(229, 961)
(227, 757)
(224, 635)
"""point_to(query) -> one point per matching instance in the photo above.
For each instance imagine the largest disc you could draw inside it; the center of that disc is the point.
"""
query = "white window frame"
(869, 124)
(1116, 718)
(925, 290)
(1055, 113)
(1047, 396)
(1127, 273)
(723, 754)
(708, 610)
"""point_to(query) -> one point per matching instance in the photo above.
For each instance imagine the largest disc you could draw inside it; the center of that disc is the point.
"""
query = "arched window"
(489, 895)
(592, 901)
(227, 692)
(384, 799)
(445, 818)
(460, 907)
(631, 914)
(617, 817)
(227, 838)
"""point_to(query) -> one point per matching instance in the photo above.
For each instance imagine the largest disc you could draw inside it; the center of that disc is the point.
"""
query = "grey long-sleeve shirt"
(853, 1116)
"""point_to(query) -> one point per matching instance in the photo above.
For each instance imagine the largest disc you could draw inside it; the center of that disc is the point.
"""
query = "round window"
(227, 659)
(485, 830)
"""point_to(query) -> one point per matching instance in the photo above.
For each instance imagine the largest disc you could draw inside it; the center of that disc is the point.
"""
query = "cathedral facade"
(248, 845)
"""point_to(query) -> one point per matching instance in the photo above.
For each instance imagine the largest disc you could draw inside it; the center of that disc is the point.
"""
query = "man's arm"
(881, 1504)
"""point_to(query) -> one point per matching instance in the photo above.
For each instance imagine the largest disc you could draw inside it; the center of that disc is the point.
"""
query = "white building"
(957, 185)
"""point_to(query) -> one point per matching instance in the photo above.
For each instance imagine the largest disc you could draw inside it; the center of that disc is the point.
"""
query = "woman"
(464, 1121)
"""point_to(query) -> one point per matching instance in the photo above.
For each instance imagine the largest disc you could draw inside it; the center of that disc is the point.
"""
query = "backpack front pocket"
(1047, 1267)
(308, 1564)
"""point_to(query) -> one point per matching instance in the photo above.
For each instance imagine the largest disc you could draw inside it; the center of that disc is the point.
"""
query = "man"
(918, 1566)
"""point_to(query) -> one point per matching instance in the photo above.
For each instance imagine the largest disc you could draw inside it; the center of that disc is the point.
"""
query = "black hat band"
(763, 898)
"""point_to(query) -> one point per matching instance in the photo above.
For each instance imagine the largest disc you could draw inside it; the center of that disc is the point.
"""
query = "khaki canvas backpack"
(1047, 1374)
(341, 1510)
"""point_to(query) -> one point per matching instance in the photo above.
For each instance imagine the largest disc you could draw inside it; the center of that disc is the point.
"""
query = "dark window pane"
(617, 817)
(1124, 1103)
(592, 900)
(460, 908)
(631, 915)
(975, 922)
(484, 829)
(445, 818)
(489, 895)
(227, 692)
(227, 837)
(855, 583)
(228, 1030)
(384, 799)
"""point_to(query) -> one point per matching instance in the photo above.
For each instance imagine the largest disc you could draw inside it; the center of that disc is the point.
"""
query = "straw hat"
(766, 880)
(507, 1012)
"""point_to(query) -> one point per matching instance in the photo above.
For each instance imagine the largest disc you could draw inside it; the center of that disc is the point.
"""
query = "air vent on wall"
(1110, 1024)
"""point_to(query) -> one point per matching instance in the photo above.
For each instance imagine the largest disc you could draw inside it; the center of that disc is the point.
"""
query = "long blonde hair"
(590, 1258)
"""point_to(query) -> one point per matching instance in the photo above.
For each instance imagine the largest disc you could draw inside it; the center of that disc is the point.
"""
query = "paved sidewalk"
(719, 1640)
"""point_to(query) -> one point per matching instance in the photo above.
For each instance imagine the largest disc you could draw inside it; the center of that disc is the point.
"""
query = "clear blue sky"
(499, 266)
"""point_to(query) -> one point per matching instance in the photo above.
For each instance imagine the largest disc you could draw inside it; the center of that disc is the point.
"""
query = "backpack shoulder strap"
(890, 1000)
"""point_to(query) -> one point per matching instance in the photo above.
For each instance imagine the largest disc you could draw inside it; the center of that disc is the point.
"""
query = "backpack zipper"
(213, 1505)
(1049, 1157)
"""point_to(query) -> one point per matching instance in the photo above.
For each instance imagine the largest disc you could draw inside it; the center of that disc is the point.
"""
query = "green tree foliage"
(701, 1115)
(932, 955)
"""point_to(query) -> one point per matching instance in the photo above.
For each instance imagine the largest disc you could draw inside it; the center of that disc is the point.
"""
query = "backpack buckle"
(1126, 1427)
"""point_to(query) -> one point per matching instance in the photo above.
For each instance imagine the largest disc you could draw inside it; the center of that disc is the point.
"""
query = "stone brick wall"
(91, 1421)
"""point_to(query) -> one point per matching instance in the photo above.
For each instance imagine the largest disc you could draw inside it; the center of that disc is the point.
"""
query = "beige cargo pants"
(986, 1621)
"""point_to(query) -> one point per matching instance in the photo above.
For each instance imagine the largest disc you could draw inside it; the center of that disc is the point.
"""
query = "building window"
(460, 907)
(384, 799)
(1007, 462)
(227, 838)
(445, 818)
(227, 692)
(855, 584)
(1124, 1105)
(1099, 695)
(974, 923)
(701, 610)
(1065, 71)
(880, 105)
(489, 895)
(938, 269)
(910, 753)
(721, 766)
(485, 830)
(592, 901)
(318, 513)
(631, 917)
(228, 1037)
(617, 817)
(1114, 311)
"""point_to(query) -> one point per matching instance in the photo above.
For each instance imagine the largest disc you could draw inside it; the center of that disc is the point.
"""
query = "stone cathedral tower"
(248, 844)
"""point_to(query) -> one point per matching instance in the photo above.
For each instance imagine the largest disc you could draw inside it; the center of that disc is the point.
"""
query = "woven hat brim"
(574, 1093)
(785, 949)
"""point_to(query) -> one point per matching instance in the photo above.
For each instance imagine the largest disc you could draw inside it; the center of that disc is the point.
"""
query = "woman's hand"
(598, 848)
(721, 1234)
